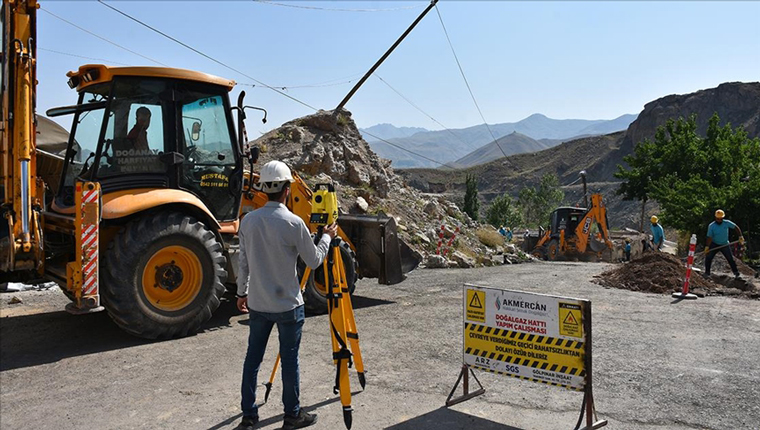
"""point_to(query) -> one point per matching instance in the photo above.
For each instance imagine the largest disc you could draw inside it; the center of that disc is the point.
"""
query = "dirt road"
(658, 364)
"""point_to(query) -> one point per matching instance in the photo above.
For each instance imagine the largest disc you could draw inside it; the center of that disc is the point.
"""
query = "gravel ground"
(658, 364)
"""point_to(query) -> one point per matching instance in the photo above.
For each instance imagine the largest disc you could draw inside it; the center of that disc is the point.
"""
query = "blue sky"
(588, 60)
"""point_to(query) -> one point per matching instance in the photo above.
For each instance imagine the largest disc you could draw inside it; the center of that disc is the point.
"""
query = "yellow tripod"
(345, 337)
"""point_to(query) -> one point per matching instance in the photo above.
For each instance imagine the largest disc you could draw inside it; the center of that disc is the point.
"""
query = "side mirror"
(255, 151)
(196, 132)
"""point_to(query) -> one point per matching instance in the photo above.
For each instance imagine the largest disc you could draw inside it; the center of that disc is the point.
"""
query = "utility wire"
(408, 150)
(204, 55)
(330, 83)
(81, 56)
(101, 37)
(467, 83)
(418, 108)
(336, 9)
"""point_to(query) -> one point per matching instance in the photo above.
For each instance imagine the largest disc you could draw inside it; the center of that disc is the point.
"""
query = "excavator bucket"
(379, 252)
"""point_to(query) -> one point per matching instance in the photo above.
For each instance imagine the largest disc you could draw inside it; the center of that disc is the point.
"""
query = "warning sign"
(475, 309)
(529, 336)
(571, 320)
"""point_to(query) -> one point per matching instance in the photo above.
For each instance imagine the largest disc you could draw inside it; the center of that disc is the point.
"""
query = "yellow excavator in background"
(576, 232)
(139, 216)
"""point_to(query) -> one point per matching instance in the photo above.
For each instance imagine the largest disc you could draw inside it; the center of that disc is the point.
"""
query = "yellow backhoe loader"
(140, 214)
(576, 232)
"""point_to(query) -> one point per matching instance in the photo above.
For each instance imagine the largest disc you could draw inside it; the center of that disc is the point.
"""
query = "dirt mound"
(662, 273)
(324, 147)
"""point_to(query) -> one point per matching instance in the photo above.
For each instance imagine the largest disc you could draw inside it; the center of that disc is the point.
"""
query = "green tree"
(471, 203)
(538, 203)
(692, 176)
(503, 211)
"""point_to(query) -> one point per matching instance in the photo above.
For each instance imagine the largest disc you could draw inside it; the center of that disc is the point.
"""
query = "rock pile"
(324, 147)
(661, 273)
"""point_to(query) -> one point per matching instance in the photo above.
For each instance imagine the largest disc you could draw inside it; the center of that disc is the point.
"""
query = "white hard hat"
(273, 176)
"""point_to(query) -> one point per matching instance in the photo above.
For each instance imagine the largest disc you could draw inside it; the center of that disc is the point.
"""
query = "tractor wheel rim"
(172, 278)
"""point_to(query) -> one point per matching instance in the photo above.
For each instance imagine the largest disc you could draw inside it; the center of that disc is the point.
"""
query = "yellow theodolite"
(343, 331)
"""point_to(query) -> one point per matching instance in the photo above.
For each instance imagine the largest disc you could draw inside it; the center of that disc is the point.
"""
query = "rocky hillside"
(735, 103)
(327, 148)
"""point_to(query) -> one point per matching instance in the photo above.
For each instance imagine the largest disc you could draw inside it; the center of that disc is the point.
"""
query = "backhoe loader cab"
(141, 128)
(565, 218)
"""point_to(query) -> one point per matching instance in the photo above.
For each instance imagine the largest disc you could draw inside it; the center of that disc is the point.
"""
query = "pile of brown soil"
(663, 274)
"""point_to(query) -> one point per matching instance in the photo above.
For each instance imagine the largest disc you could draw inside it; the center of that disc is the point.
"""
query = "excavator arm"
(593, 231)
(21, 192)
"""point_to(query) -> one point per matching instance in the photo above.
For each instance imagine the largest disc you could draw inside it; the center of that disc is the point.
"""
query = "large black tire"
(132, 305)
(314, 292)
(552, 250)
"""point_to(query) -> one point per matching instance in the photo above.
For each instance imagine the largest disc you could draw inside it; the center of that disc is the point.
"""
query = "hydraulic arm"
(21, 191)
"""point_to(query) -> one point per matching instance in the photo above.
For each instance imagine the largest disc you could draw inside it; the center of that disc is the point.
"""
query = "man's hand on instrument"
(707, 250)
(332, 230)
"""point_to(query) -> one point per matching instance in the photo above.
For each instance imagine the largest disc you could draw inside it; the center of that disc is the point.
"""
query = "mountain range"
(736, 103)
(456, 145)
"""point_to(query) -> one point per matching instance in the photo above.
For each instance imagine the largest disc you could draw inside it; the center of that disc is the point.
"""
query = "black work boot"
(303, 419)
(248, 423)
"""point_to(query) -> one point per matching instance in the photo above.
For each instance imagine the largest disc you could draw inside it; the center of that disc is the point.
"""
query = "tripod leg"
(268, 385)
(352, 333)
(341, 353)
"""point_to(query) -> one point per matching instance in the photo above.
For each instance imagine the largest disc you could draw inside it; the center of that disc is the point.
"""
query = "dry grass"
(489, 237)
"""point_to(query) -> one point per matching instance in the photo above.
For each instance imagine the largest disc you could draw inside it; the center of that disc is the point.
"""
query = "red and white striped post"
(684, 294)
(451, 240)
(440, 241)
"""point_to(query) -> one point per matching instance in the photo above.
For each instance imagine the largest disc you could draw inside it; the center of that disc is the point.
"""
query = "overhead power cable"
(330, 83)
(81, 56)
(102, 38)
(419, 109)
(467, 83)
(408, 150)
(204, 55)
(336, 9)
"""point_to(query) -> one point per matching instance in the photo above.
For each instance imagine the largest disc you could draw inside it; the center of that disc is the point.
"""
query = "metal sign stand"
(464, 377)
(587, 407)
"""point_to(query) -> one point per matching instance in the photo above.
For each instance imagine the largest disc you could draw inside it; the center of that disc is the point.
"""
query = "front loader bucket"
(379, 252)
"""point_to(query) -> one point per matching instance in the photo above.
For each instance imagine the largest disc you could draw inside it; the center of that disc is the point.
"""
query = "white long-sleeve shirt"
(271, 239)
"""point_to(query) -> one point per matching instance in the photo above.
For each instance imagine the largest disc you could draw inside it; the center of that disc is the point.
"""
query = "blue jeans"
(289, 327)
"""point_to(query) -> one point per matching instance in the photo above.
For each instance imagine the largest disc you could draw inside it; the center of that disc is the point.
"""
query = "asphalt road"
(658, 364)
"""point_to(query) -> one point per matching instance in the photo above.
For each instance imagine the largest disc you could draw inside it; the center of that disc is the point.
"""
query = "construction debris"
(660, 273)
(324, 147)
